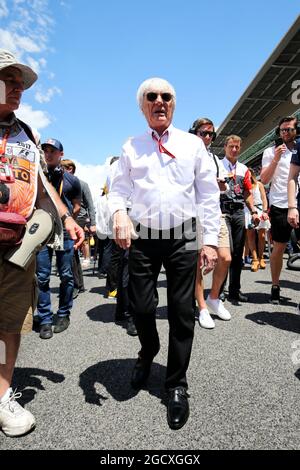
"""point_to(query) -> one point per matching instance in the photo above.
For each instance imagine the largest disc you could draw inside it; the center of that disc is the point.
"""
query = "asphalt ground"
(244, 377)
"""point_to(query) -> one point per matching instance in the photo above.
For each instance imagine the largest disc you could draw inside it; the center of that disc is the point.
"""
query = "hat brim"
(29, 76)
(50, 145)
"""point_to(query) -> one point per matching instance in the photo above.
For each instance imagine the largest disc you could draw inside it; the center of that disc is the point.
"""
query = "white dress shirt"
(167, 191)
(278, 193)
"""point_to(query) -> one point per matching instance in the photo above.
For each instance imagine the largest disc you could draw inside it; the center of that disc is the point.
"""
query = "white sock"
(6, 395)
(203, 310)
(216, 301)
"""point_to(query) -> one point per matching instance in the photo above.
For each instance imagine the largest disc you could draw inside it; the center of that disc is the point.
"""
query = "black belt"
(231, 206)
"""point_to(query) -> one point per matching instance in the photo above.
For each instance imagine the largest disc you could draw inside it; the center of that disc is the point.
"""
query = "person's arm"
(207, 195)
(120, 191)
(264, 201)
(76, 207)
(75, 196)
(248, 197)
(75, 232)
(270, 162)
(90, 206)
(293, 213)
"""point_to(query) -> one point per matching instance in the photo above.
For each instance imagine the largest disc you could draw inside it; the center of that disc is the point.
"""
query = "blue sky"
(92, 55)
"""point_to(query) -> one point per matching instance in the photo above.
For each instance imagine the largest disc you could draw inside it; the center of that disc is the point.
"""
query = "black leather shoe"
(131, 329)
(178, 407)
(140, 373)
(120, 316)
(238, 297)
(46, 331)
(62, 324)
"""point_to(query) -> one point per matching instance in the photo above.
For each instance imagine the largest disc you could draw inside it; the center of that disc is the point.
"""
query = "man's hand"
(255, 219)
(223, 186)
(208, 258)
(264, 216)
(279, 151)
(293, 217)
(76, 233)
(123, 229)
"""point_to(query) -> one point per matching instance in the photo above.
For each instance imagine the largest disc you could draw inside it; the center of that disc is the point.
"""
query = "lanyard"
(61, 186)
(161, 147)
(3, 146)
(6, 172)
(232, 169)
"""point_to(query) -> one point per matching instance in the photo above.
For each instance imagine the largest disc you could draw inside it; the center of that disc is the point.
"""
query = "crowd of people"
(168, 201)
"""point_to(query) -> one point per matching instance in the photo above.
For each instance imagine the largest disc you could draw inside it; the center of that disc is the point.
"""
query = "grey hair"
(154, 84)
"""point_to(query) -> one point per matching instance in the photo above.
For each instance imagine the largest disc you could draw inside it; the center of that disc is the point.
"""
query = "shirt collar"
(229, 164)
(12, 122)
(167, 132)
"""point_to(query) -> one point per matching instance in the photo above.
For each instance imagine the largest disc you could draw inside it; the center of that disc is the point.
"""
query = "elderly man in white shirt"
(170, 179)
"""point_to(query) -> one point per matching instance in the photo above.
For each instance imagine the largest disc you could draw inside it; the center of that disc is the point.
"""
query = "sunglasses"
(205, 133)
(153, 96)
(288, 129)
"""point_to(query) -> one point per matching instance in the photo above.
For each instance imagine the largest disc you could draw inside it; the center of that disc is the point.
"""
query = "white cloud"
(34, 64)
(46, 96)
(94, 175)
(3, 9)
(35, 118)
(7, 41)
(27, 27)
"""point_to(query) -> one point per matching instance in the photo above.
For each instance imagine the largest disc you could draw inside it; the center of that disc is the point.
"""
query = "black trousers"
(237, 233)
(104, 254)
(122, 298)
(114, 267)
(146, 257)
(77, 271)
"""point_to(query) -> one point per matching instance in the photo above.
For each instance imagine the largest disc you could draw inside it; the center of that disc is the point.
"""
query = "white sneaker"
(14, 419)
(217, 307)
(85, 263)
(205, 319)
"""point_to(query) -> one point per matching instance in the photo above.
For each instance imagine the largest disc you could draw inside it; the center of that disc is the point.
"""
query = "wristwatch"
(65, 216)
(254, 212)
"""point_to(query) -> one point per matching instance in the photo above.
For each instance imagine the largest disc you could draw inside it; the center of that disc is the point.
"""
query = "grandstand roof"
(268, 97)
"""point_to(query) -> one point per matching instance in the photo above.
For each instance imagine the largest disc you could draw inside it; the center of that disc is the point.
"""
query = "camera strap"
(4, 143)
(6, 173)
(216, 163)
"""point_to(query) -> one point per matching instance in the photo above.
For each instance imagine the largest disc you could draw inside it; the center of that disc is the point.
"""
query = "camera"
(251, 226)
(227, 179)
(4, 194)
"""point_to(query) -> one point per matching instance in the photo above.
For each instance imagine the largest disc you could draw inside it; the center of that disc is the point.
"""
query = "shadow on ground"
(105, 313)
(114, 375)
(28, 381)
(281, 320)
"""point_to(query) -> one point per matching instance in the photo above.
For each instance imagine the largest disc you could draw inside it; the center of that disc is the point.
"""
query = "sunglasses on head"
(151, 96)
(287, 129)
(205, 133)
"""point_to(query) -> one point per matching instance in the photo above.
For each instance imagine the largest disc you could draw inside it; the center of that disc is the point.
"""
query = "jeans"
(43, 272)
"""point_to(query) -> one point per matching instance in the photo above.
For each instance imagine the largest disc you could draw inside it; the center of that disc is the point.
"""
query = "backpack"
(12, 224)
